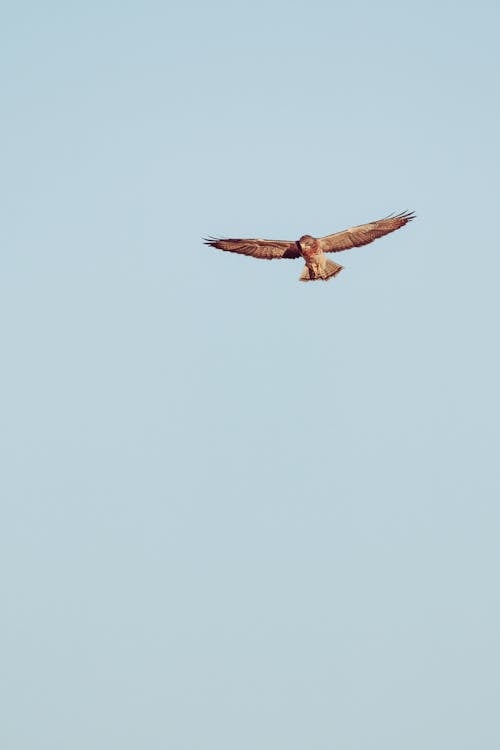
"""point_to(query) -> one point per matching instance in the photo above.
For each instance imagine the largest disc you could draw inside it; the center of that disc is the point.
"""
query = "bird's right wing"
(267, 249)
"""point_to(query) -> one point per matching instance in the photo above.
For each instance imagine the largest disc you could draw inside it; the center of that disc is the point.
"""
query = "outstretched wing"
(364, 234)
(267, 249)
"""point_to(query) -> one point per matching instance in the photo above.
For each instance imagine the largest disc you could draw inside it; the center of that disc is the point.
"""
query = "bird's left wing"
(364, 234)
(267, 249)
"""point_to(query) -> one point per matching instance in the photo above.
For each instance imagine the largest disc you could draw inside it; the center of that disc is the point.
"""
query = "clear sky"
(238, 511)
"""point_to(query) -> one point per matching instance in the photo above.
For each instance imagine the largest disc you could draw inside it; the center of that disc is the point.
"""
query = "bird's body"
(313, 249)
(317, 265)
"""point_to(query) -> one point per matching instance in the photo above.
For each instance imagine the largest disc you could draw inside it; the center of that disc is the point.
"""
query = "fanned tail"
(331, 269)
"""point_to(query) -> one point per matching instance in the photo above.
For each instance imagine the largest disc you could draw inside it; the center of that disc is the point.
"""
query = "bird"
(313, 249)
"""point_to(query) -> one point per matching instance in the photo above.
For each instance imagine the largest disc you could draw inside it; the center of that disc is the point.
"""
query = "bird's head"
(306, 241)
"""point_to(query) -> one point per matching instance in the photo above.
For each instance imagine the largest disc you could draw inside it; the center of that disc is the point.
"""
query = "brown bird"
(313, 249)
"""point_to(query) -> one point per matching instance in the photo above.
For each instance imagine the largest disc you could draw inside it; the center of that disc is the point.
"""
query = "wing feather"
(267, 249)
(365, 233)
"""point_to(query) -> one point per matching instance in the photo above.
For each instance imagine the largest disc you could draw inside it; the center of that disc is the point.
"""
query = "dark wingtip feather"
(406, 215)
(212, 241)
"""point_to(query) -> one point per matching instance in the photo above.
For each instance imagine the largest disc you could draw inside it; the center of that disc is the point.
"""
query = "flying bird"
(313, 249)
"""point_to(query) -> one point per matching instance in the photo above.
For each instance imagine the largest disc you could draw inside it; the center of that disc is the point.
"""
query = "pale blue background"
(241, 512)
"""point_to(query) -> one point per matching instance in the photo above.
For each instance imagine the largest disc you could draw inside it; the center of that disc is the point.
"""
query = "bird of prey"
(313, 249)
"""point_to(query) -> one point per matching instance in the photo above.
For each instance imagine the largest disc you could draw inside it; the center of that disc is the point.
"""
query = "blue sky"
(237, 510)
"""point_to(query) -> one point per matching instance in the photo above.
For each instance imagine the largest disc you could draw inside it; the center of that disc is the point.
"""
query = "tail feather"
(331, 269)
